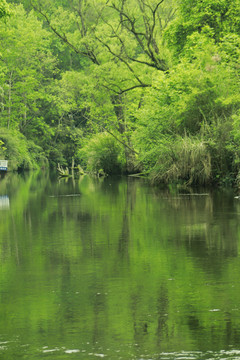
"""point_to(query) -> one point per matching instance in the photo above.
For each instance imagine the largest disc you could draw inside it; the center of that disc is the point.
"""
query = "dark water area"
(117, 269)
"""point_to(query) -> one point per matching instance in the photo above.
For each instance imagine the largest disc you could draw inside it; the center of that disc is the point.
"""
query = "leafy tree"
(215, 17)
(119, 47)
(27, 68)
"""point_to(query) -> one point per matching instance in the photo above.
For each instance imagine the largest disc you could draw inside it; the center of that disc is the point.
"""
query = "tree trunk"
(9, 99)
(118, 103)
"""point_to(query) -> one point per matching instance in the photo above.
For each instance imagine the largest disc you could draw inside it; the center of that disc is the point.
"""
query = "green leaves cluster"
(26, 68)
(4, 9)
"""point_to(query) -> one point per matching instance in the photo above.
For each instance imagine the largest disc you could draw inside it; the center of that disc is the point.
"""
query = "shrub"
(102, 153)
(22, 155)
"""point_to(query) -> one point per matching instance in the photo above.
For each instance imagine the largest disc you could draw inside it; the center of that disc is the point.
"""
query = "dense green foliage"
(4, 10)
(156, 76)
(23, 154)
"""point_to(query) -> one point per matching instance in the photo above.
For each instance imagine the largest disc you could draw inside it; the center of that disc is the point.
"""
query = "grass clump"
(185, 159)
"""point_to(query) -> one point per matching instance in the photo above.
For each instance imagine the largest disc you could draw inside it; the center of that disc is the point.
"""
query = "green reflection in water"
(117, 269)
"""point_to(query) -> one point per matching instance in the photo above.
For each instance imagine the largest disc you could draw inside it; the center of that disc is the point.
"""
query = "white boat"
(3, 165)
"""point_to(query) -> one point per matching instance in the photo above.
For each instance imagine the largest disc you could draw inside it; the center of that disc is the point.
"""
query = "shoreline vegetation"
(137, 87)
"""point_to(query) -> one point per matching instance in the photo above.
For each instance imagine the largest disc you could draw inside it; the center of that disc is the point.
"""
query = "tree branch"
(135, 87)
(89, 53)
(119, 58)
(147, 43)
(122, 142)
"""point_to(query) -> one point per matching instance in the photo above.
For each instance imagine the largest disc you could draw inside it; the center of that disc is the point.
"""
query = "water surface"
(117, 269)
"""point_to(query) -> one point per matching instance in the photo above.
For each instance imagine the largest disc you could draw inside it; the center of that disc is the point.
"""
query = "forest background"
(122, 86)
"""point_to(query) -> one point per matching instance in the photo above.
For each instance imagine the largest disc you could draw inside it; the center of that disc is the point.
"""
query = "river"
(115, 268)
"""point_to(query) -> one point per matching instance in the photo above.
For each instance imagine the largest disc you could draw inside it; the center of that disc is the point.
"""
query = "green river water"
(117, 269)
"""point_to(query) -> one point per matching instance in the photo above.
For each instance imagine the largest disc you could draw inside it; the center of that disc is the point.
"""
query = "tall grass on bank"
(186, 159)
